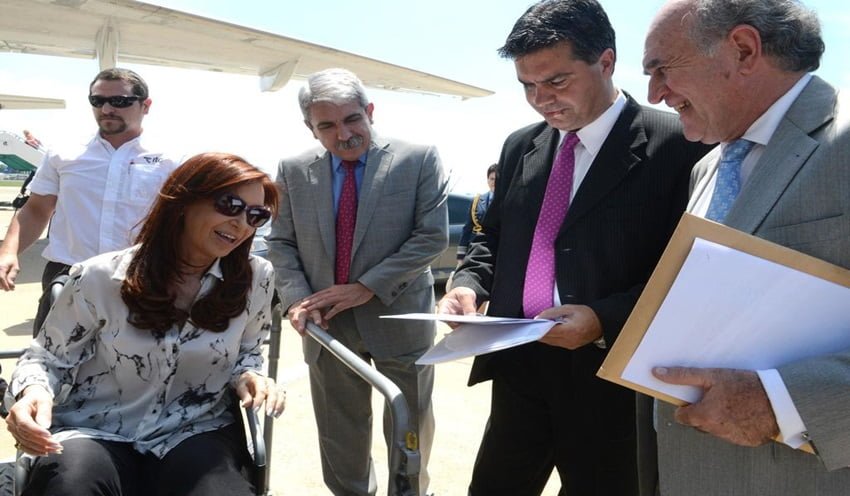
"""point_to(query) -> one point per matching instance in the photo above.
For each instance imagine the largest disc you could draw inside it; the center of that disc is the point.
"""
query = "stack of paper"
(478, 334)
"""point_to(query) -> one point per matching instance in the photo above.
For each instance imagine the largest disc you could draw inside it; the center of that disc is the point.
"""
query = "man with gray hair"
(738, 74)
(361, 219)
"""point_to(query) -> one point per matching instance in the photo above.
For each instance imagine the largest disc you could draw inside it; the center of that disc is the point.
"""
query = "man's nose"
(657, 89)
(343, 133)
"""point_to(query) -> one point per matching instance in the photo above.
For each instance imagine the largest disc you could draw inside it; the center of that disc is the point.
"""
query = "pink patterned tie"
(346, 217)
(540, 273)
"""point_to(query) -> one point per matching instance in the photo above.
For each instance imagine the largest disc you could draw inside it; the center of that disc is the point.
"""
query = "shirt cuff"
(791, 427)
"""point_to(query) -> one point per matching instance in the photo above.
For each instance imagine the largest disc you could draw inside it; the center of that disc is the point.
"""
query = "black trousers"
(52, 270)
(542, 417)
(206, 464)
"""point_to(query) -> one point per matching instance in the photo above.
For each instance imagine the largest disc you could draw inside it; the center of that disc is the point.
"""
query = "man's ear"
(746, 41)
(146, 105)
(607, 60)
(369, 109)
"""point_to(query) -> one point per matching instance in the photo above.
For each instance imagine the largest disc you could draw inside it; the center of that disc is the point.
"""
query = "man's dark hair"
(140, 87)
(581, 23)
(492, 170)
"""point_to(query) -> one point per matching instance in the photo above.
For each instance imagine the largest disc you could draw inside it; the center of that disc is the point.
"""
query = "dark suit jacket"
(473, 222)
(615, 230)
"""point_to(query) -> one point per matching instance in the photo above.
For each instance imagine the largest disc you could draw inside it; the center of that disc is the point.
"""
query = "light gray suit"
(798, 196)
(402, 223)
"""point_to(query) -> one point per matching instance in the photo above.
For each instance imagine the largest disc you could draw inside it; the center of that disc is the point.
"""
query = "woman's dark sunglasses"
(231, 205)
(115, 101)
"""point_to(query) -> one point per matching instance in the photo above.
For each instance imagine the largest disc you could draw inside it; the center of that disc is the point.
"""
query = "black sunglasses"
(115, 101)
(231, 205)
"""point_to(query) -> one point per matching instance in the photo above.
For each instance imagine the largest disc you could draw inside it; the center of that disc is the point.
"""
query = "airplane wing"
(138, 32)
(30, 102)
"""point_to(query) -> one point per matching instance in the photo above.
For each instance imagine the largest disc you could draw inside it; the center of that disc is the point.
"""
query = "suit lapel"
(536, 167)
(378, 162)
(617, 156)
(787, 151)
(321, 182)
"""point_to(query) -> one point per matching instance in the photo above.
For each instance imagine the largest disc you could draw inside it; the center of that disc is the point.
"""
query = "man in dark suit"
(625, 171)
(480, 204)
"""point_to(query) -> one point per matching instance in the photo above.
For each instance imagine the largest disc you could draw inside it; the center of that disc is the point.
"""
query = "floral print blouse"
(115, 382)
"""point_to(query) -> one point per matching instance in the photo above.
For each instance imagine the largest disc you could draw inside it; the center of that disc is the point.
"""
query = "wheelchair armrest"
(23, 464)
(258, 443)
(56, 286)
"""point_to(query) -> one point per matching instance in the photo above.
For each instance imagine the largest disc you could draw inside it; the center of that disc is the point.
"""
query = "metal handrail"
(11, 354)
(404, 462)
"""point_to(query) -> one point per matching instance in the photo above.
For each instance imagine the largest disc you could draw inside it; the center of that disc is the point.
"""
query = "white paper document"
(478, 334)
(461, 319)
(730, 309)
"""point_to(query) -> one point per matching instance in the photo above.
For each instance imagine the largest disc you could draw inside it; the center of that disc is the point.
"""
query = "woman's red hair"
(156, 266)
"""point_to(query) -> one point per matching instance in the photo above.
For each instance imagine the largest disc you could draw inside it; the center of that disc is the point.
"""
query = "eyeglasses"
(231, 205)
(115, 101)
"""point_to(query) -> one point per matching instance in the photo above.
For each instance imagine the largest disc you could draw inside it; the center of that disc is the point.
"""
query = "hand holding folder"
(720, 298)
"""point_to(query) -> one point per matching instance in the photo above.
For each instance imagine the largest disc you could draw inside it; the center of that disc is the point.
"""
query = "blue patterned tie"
(728, 183)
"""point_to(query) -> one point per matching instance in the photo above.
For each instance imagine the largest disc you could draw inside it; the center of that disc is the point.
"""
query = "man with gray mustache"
(361, 219)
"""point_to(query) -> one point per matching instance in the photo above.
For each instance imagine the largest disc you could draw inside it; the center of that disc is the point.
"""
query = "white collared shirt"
(102, 195)
(791, 426)
(591, 138)
(113, 381)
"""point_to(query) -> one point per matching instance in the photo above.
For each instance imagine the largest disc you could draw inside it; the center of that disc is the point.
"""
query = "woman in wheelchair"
(126, 389)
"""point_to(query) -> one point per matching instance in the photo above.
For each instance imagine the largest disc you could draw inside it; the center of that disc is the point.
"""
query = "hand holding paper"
(733, 407)
(577, 325)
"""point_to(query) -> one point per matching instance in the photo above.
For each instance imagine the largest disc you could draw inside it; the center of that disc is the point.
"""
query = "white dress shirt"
(102, 195)
(591, 138)
(115, 382)
(791, 426)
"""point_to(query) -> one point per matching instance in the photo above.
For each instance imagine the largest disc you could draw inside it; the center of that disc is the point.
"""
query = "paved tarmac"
(461, 412)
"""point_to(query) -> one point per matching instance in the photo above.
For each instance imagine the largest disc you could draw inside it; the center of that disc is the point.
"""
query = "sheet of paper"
(476, 339)
(730, 309)
(461, 319)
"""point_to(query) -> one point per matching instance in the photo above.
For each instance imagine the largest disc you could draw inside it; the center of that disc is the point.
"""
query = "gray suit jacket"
(402, 226)
(798, 196)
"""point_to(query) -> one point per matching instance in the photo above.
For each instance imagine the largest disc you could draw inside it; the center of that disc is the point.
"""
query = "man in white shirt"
(738, 74)
(96, 195)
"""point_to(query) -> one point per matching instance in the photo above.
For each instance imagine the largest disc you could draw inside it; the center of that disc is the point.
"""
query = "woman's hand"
(28, 421)
(253, 389)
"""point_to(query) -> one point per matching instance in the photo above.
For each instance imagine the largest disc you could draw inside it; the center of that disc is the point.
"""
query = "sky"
(196, 111)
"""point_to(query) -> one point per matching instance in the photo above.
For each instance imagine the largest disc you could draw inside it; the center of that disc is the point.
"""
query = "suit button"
(394, 293)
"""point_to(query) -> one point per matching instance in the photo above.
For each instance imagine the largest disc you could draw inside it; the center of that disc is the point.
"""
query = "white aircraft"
(14, 150)
(17, 154)
(29, 102)
(142, 33)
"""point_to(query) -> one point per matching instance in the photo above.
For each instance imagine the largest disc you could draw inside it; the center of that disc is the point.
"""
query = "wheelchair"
(404, 459)
(259, 433)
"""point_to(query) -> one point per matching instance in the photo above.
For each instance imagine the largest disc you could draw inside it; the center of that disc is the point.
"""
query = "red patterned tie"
(346, 217)
(539, 289)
